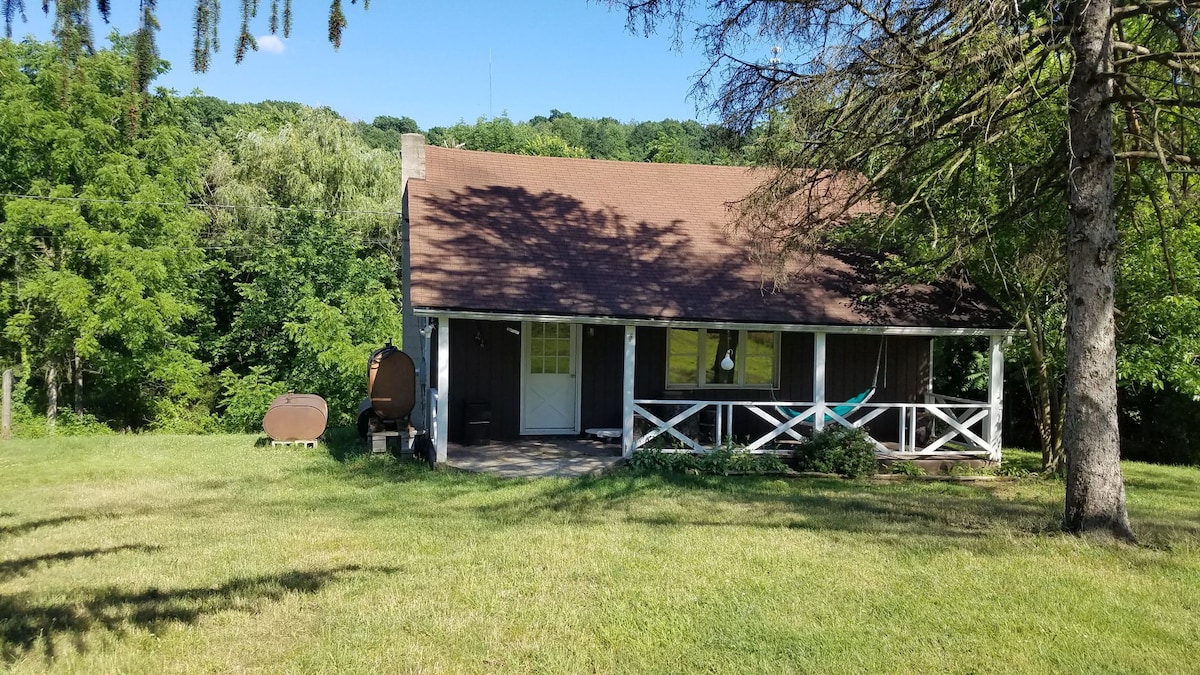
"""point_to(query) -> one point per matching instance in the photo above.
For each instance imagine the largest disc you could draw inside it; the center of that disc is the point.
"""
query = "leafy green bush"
(175, 418)
(655, 459)
(27, 424)
(1010, 470)
(847, 452)
(724, 461)
(246, 399)
(907, 468)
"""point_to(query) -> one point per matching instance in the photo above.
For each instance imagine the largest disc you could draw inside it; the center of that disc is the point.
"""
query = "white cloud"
(271, 43)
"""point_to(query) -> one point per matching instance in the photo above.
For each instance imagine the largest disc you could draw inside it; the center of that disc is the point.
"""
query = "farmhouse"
(550, 296)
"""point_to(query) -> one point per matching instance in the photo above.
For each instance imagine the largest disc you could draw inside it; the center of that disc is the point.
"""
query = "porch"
(928, 426)
(627, 377)
(536, 457)
(942, 427)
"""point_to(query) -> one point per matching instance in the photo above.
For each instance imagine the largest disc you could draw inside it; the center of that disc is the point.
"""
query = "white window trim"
(739, 367)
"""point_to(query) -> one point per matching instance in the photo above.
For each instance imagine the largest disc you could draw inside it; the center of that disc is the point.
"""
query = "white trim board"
(680, 323)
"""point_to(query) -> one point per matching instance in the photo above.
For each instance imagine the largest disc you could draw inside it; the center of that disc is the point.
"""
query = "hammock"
(846, 408)
(854, 403)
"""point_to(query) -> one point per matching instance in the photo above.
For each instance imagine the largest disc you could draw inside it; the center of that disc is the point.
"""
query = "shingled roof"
(525, 235)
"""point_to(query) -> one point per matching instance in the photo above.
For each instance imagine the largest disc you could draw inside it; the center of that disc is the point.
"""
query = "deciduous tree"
(307, 282)
(873, 85)
(98, 255)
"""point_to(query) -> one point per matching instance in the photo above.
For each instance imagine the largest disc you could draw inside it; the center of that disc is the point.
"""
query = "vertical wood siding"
(650, 367)
(489, 373)
(903, 373)
(602, 365)
(850, 367)
(795, 367)
(492, 374)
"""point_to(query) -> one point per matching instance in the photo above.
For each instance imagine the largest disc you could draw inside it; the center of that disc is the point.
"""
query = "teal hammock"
(855, 402)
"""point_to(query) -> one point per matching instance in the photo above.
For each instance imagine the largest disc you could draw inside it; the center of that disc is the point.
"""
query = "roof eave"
(742, 325)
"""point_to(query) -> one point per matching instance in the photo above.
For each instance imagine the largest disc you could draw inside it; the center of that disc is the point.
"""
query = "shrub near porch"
(157, 553)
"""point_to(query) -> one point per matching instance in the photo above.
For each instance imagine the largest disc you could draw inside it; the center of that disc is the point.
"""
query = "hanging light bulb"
(727, 362)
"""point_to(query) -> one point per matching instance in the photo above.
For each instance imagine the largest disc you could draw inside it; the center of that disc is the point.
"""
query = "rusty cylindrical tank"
(391, 383)
(391, 391)
(296, 417)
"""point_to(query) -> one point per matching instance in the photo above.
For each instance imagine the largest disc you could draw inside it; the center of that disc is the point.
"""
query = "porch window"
(694, 358)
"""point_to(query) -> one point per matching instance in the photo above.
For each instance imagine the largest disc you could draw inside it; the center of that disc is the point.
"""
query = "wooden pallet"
(307, 444)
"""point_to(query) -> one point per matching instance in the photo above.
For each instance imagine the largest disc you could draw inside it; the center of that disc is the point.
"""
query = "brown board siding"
(903, 373)
(485, 367)
(650, 368)
(602, 369)
(850, 362)
(849, 369)
(795, 367)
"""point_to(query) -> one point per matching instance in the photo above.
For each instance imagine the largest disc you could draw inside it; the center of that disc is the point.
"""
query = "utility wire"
(200, 205)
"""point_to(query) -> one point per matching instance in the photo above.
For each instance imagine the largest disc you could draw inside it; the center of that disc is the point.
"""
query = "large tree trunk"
(1045, 403)
(77, 369)
(52, 396)
(1095, 500)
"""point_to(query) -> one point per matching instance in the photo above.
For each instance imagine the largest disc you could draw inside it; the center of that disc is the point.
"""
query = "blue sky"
(429, 60)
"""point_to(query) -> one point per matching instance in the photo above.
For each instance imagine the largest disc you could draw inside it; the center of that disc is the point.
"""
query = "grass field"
(209, 554)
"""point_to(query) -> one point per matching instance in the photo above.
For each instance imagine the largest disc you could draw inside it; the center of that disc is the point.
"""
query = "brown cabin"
(551, 296)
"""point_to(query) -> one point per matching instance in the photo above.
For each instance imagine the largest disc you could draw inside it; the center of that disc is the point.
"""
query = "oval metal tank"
(391, 383)
(296, 417)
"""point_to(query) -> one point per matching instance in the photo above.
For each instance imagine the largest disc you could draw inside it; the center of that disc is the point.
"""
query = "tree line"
(177, 272)
(561, 134)
(177, 268)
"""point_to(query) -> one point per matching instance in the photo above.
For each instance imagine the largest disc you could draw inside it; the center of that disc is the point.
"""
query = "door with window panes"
(550, 388)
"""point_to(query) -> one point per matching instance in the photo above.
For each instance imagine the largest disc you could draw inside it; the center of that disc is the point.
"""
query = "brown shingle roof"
(542, 235)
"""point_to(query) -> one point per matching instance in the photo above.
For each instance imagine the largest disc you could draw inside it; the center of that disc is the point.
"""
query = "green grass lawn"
(209, 554)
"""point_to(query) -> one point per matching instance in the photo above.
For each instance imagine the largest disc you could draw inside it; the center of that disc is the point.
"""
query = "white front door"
(549, 386)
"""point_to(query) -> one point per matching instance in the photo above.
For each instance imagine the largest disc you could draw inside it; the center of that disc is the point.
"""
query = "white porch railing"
(951, 424)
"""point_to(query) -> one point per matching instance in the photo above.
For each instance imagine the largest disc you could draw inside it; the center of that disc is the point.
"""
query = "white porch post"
(819, 379)
(443, 381)
(627, 393)
(929, 375)
(992, 430)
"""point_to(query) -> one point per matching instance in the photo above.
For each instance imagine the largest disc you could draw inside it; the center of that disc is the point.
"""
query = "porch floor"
(536, 457)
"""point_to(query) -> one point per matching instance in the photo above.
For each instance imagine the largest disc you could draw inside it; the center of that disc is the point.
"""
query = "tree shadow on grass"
(28, 526)
(10, 569)
(344, 444)
(937, 510)
(946, 511)
(1163, 481)
(27, 623)
(355, 463)
(942, 510)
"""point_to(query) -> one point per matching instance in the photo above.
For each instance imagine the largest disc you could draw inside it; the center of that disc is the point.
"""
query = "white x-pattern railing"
(955, 421)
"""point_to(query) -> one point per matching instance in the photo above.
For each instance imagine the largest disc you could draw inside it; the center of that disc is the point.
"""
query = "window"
(549, 348)
(694, 358)
(683, 357)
